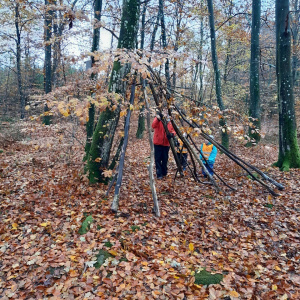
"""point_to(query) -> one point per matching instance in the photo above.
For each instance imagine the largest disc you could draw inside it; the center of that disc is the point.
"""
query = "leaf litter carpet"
(248, 236)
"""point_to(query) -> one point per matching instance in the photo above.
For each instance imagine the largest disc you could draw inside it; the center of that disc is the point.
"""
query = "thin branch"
(109, 30)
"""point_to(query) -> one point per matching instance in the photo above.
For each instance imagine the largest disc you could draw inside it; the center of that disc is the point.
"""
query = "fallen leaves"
(253, 246)
(14, 226)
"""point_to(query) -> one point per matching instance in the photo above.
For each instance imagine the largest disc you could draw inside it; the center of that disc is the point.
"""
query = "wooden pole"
(115, 203)
(151, 164)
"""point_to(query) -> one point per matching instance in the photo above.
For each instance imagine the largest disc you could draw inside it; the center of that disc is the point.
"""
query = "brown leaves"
(254, 246)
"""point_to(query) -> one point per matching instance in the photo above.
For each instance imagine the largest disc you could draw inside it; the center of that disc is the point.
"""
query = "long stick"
(228, 153)
(150, 167)
(238, 161)
(111, 184)
(274, 182)
(218, 176)
(266, 177)
(194, 172)
(115, 203)
(191, 151)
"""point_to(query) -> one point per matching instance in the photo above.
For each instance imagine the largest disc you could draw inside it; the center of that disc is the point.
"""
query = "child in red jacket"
(161, 145)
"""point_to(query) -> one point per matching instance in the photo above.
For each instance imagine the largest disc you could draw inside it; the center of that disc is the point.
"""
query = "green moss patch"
(205, 278)
(108, 244)
(102, 256)
(254, 174)
(135, 228)
(86, 224)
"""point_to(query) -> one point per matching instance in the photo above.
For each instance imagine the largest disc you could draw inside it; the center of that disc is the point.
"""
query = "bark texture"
(95, 47)
(225, 137)
(295, 30)
(141, 121)
(48, 55)
(289, 155)
(254, 109)
(18, 57)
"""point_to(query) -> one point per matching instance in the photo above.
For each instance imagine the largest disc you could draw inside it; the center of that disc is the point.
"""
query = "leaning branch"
(115, 203)
(151, 164)
(228, 153)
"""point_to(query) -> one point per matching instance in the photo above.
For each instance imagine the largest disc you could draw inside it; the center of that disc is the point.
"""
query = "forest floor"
(249, 237)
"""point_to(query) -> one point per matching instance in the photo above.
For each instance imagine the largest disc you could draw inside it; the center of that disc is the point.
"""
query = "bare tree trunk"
(18, 54)
(48, 56)
(56, 47)
(141, 121)
(254, 109)
(289, 155)
(179, 7)
(164, 40)
(95, 47)
(224, 133)
(5, 99)
(154, 32)
(228, 47)
(295, 60)
(201, 65)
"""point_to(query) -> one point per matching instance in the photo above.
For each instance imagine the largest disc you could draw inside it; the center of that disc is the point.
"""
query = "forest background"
(79, 82)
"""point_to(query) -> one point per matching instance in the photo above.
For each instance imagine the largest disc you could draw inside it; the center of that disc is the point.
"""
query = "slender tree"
(289, 155)
(225, 137)
(254, 109)
(18, 57)
(200, 66)
(295, 30)
(141, 121)
(95, 47)
(48, 56)
(99, 154)
(178, 12)
(164, 40)
(229, 42)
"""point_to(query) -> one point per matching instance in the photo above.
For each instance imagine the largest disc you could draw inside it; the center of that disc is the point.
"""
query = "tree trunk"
(289, 155)
(56, 47)
(254, 109)
(141, 121)
(225, 137)
(95, 47)
(154, 32)
(164, 40)
(48, 55)
(295, 42)
(199, 57)
(99, 153)
(228, 48)
(179, 8)
(201, 65)
(18, 52)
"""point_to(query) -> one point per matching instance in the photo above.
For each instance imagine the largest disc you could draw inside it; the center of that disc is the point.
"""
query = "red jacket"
(160, 137)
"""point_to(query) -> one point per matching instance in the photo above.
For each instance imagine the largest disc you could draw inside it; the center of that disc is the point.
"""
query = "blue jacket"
(211, 156)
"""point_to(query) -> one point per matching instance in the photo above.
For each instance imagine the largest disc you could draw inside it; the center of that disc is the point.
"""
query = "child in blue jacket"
(209, 151)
